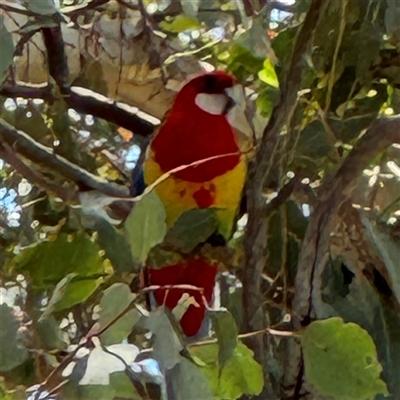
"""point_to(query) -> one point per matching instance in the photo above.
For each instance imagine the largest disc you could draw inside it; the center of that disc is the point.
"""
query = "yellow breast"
(178, 196)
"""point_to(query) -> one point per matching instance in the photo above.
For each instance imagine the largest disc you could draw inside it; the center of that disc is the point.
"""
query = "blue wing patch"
(138, 185)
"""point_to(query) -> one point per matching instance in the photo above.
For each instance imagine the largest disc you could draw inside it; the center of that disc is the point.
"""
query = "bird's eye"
(210, 84)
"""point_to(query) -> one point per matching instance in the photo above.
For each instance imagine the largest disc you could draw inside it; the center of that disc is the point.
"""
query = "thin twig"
(24, 145)
(283, 195)
(332, 76)
(153, 288)
(270, 331)
(55, 390)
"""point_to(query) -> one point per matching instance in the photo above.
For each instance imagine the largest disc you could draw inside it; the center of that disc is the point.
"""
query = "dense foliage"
(308, 303)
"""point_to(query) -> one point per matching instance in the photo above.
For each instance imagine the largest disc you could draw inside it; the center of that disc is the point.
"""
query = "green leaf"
(255, 40)
(43, 7)
(121, 328)
(115, 245)
(167, 345)
(123, 387)
(49, 262)
(50, 334)
(284, 41)
(313, 142)
(341, 360)
(232, 293)
(58, 294)
(180, 23)
(92, 392)
(266, 100)
(146, 226)
(242, 62)
(240, 375)
(192, 227)
(226, 330)
(268, 74)
(6, 49)
(188, 382)
(72, 290)
(116, 299)
(355, 298)
(12, 352)
(160, 257)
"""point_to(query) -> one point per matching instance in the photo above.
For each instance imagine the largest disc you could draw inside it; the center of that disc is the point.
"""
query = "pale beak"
(236, 114)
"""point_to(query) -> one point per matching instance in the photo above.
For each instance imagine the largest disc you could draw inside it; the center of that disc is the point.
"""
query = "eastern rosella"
(202, 124)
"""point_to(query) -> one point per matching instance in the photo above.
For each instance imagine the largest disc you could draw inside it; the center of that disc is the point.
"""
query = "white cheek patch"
(214, 104)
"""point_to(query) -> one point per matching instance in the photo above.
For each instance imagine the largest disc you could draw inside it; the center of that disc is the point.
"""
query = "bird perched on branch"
(197, 147)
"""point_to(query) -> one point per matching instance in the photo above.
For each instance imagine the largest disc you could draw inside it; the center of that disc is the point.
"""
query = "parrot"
(206, 115)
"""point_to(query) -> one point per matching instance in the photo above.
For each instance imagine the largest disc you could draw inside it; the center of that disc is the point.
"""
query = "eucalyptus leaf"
(115, 245)
(114, 303)
(341, 361)
(192, 227)
(226, 331)
(145, 226)
(188, 382)
(240, 375)
(268, 74)
(180, 23)
(50, 261)
(167, 344)
(43, 7)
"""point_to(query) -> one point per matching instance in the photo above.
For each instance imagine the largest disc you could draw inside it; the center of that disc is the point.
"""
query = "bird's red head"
(201, 125)
(212, 83)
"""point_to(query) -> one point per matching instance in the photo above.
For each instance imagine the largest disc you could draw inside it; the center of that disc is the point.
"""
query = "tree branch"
(129, 117)
(256, 230)
(382, 133)
(57, 61)
(283, 195)
(11, 158)
(87, 101)
(28, 91)
(27, 147)
(70, 11)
